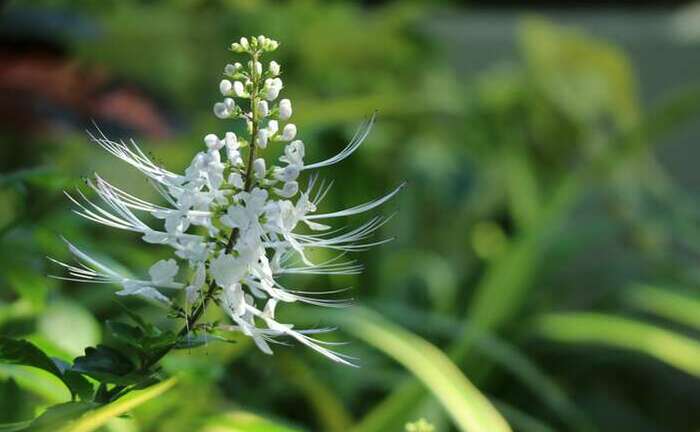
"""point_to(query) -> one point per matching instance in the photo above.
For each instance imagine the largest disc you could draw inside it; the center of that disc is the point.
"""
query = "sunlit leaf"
(673, 305)
(241, 421)
(21, 352)
(101, 415)
(671, 348)
(470, 410)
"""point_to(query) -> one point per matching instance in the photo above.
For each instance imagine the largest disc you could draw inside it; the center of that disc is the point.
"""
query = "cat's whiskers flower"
(253, 222)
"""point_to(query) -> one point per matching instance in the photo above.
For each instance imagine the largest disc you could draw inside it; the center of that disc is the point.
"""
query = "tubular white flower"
(221, 110)
(259, 168)
(289, 132)
(225, 87)
(274, 68)
(239, 89)
(285, 109)
(262, 137)
(252, 221)
(263, 109)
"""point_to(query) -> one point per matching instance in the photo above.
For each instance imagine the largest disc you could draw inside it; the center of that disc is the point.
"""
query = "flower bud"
(236, 47)
(231, 140)
(273, 86)
(244, 43)
(258, 68)
(221, 111)
(263, 109)
(272, 127)
(225, 87)
(239, 89)
(262, 40)
(236, 180)
(259, 168)
(213, 142)
(230, 69)
(274, 68)
(285, 109)
(230, 104)
(262, 139)
(289, 132)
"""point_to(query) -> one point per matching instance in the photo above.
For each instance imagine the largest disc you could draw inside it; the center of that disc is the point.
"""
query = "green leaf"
(146, 327)
(108, 365)
(25, 353)
(21, 352)
(78, 383)
(672, 305)
(241, 421)
(125, 333)
(98, 417)
(58, 415)
(669, 347)
(15, 427)
(470, 410)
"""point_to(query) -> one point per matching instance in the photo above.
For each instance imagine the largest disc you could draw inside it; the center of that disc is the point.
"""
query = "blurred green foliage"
(543, 255)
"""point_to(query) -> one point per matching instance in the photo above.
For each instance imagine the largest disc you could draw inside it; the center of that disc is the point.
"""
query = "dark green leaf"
(125, 333)
(147, 328)
(105, 364)
(76, 382)
(24, 353)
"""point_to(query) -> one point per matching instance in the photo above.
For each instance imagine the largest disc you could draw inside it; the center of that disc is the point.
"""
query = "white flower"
(163, 272)
(213, 142)
(289, 190)
(221, 111)
(259, 168)
(236, 180)
(272, 127)
(289, 132)
(227, 270)
(263, 109)
(273, 86)
(262, 138)
(233, 225)
(239, 89)
(274, 68)
(225, 87)
(285, 109)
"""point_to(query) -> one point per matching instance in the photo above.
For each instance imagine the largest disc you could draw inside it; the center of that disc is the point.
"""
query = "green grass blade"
(671, 348)
(470, 410)
(242, 421)
(97, 418)
(672, 305)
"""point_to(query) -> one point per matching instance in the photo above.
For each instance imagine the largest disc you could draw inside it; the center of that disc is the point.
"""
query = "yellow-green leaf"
(470, 410)
(93, 420)
(242, 421)
(667, 346)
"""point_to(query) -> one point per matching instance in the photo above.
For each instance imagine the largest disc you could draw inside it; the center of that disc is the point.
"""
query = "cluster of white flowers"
(237, 226)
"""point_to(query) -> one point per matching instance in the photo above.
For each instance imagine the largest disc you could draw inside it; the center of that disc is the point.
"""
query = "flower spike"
(236, 221)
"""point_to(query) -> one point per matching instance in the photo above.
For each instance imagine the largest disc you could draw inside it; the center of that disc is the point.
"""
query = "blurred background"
(548, 241)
